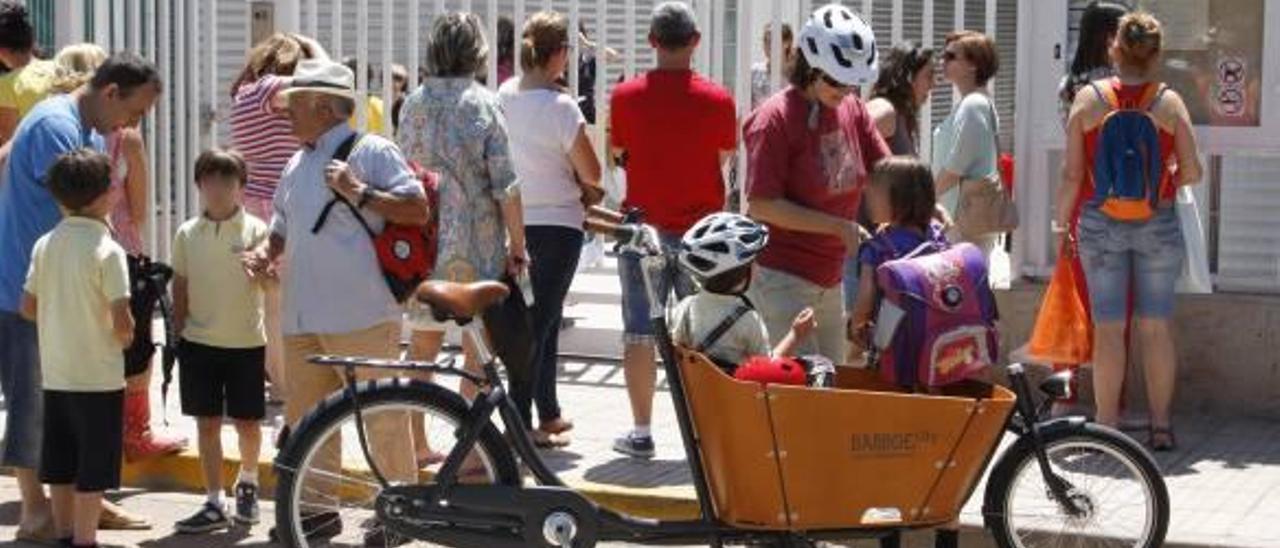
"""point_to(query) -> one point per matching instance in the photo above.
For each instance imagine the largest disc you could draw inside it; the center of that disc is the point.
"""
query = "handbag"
(986, 205)
(1063, 332)
(510, 328)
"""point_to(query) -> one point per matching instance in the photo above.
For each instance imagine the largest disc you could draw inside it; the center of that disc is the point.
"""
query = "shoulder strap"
(723, 327)
(341, 154)
(1107, 94)
(1152, 95)
(918, 250)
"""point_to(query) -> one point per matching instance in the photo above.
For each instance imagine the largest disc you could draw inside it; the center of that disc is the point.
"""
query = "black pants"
(553, 254)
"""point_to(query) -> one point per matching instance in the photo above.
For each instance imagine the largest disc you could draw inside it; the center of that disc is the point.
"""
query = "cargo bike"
(771, 465)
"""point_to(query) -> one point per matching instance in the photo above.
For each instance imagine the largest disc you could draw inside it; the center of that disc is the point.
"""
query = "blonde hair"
(1139, 38)
(75, 65)
(545, 34)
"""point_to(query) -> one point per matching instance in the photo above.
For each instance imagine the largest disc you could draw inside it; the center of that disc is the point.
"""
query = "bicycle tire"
(374, 394)
(1021, 457)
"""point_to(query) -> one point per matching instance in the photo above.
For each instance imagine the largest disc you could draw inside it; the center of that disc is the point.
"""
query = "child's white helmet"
(721, 242)
(839, 43)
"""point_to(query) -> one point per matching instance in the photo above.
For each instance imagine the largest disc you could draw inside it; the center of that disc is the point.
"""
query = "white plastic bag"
(999, 267)
(1195, 278)
(592, 253)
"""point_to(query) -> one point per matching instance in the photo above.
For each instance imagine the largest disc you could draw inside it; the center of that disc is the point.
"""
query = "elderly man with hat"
(335, 298)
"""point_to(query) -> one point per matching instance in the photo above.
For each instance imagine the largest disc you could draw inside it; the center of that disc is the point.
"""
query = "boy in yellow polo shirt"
(77, 293)
(218, 311)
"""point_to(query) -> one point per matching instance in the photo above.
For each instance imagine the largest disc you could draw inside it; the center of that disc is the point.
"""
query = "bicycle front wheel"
(1118, 497)
(326, 491)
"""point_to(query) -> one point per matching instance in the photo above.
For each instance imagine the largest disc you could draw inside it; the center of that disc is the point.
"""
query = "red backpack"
(406, 253)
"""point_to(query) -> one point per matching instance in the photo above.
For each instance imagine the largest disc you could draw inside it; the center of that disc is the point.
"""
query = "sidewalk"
(1224, 482)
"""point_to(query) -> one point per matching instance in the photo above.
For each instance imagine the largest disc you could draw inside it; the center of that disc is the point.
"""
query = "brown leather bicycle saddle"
(460, 301)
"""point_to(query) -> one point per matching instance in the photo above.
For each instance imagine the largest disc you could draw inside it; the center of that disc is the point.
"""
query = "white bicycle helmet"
(839, 43)
(721, 242)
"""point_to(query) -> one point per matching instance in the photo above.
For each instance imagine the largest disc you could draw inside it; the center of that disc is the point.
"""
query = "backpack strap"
(1152, 95)
(724, 326)
(1107, 93)
(168, 352)
(341, 154)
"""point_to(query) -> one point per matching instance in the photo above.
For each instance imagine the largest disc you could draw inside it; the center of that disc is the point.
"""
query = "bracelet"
(366, 194)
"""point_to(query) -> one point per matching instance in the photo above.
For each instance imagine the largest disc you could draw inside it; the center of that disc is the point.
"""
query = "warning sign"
(1230, 97)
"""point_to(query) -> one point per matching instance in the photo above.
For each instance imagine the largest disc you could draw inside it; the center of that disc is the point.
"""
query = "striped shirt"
(262, 135)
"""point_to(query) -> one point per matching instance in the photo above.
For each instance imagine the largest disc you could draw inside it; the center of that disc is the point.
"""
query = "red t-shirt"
(824, 169)
(673, 125)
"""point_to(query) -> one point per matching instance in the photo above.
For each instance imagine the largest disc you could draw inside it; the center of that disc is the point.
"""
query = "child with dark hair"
(218, 310)
(902, 204)
(720, 252)
(77, 293)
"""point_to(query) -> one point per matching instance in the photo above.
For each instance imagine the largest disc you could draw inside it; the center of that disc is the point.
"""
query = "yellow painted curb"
(182, 472)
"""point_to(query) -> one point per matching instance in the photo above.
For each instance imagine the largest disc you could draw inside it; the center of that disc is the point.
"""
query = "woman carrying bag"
(559, 175)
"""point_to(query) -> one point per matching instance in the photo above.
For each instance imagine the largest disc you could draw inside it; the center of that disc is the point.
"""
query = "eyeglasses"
(835, 83)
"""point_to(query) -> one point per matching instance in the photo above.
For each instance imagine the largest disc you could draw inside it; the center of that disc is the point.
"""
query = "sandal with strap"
(1162, 439)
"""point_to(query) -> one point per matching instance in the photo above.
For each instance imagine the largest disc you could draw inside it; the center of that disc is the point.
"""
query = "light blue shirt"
(333, 283)
(27, 208)
(964, 143)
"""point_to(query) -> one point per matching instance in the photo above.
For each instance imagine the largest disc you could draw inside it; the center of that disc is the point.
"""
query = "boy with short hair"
(77, 293)
(219, 314)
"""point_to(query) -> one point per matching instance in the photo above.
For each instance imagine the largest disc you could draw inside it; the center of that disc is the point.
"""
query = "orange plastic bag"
(1063, 332)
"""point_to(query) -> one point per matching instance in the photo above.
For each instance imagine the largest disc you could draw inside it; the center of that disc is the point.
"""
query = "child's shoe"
(211, 517)
(246, 504)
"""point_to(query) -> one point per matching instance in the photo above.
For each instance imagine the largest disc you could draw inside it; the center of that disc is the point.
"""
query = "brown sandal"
(558, 425)
(1170, 441)
(546, 440)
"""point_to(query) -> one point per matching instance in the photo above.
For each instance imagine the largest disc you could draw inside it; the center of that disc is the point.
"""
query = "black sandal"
(1170, 440)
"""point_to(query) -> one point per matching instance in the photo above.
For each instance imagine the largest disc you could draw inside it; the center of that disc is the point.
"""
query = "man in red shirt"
(809, 152)
(676, 129)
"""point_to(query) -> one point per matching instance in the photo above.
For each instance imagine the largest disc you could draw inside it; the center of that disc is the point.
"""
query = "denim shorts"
(20, 381)
(1117, 255)
(637, 327)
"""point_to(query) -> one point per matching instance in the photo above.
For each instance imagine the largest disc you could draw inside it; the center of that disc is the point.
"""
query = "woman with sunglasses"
(964, 145)
(809, 150)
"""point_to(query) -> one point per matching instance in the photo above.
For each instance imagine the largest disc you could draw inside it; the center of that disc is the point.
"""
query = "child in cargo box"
(901, 202)
(720, 251)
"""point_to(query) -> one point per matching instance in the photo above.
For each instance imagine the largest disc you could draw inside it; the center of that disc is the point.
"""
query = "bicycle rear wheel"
(1119, 496)
(326, 490)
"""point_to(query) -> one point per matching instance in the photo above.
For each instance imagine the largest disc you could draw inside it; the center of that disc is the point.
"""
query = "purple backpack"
(936, 323)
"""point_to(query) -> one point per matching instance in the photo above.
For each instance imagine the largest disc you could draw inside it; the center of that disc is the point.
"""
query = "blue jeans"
(1113, 253)
(20, 381)
(636, 326)
(553, 260)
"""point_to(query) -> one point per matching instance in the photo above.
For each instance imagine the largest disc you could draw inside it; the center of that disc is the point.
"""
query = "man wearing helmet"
(676, 128)
(720, 321)
(809, 150)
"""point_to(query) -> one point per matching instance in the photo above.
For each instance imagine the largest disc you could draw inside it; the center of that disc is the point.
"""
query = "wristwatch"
(366, 194)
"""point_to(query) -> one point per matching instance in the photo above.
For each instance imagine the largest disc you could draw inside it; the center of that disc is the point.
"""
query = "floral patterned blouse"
(454, 127)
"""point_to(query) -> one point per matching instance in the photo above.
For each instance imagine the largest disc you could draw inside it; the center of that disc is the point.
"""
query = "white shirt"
(332, 282)
(542, 125)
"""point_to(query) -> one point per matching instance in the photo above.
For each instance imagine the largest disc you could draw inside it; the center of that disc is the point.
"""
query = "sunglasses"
(826, 78)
